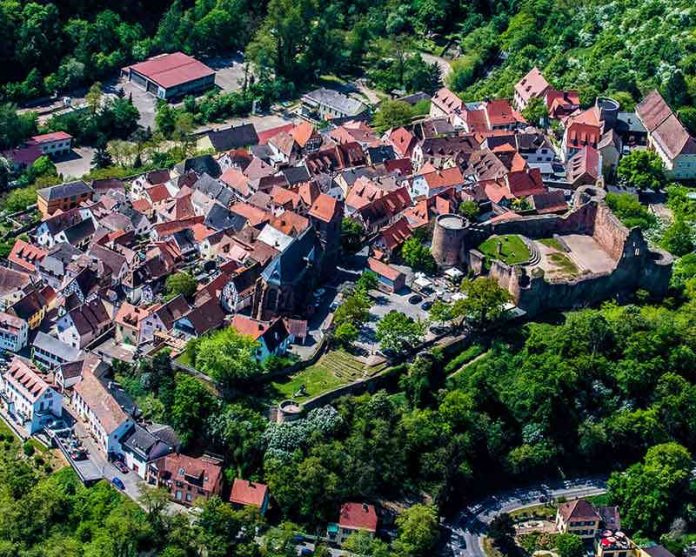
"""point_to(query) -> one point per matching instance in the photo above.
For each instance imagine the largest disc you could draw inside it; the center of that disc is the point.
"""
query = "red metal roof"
(170, 70)
(356, 516)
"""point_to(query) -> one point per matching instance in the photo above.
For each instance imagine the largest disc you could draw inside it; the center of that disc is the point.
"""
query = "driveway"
(75, 164)
(467, 530)
(145, 102)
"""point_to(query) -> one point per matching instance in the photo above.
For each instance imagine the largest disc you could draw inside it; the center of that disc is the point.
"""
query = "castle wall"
(637, 266)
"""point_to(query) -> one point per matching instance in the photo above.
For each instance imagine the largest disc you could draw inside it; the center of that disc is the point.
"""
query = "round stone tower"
(608, 112)
(448, 237)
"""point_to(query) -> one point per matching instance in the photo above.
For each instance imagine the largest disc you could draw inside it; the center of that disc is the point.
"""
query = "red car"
(121, 467)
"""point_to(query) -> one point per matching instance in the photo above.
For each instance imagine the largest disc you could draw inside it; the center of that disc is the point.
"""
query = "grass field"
(552, 243)
(564, 263)
(509, 249)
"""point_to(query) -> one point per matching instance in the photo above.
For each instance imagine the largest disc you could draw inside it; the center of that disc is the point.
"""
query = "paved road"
(467, 530)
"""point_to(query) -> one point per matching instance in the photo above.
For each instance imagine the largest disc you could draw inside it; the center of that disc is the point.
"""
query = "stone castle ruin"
(577, 259)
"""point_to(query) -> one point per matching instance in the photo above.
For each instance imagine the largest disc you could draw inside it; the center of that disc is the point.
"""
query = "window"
(178, 495)
(188, 497)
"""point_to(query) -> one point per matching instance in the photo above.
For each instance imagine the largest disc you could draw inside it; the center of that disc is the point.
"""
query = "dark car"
(78, 455)
(306, 551)
(118, 483)
(425, 306)
(415, 299)
(121, 467)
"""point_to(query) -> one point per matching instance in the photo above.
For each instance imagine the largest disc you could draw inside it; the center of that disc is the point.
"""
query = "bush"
(463, 357)
(630, 211)
(28, 449)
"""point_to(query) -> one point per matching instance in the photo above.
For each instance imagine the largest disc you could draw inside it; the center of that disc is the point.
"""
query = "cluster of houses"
(258, 224)
(600, 526)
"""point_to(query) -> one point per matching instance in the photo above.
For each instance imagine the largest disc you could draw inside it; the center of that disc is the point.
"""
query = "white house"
(102, 414)
(432, 183)
(141, 446)
(13, 332)
(82, 325)
(30, 402)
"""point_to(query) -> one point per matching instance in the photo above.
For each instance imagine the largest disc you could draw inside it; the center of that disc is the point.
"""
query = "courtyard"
(571, 256)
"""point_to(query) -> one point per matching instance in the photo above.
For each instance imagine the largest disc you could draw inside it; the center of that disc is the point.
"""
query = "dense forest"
(619, 47)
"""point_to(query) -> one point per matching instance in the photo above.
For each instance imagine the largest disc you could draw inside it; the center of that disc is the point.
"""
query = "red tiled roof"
(265, 135)
(358, 516)
(382, 269)
(302, 133)
(26, 255)
(254, 215)
(531, 85)
(653, 110)
(447, 101)
(402, 140)
(142, 206)
(499, 112)
(396, 234)
(578, 509)
(248, 326)
(169, 70)
(157, 193)
(324, 208)
(245, 492)
(445, 178)
(26, 378)
(235, 178)
(53, 136)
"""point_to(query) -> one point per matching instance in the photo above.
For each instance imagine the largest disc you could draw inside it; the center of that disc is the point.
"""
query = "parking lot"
(414, 301)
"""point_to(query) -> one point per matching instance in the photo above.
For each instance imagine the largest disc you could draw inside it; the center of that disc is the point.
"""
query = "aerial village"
(276, 225)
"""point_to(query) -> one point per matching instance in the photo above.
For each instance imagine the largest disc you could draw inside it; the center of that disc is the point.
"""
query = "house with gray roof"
(142, 445)
(50, 352)
(329, 104)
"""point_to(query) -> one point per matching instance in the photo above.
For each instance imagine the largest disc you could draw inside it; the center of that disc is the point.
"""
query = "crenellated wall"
(637, 266)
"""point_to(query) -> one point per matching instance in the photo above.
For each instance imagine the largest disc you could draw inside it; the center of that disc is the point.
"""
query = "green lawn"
(316, 379)
(512, 250)
(564, 263)
(552, 243)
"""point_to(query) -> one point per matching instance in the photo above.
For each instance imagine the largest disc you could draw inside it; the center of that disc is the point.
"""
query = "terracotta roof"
(248, 326)
(396, 234)
(499, 112)
(382, 269)
(549, 202)
(324, 208)
(246, 492)
(302, 133)
(254, 215)
(265, 135)
(672, 136)
(445, 178)
(290, 223)
(26, 378)
(402, 140)
(579, 134)
(142, 206)
(531, 85)
(130, 315)
(236, 179)
(653, 110)
(53, 136)
(356, 516)
(178, 466)
(158, 193)
(169, 70)
(26, 255)
(447, 101)
(585, 163)
(580, 509)
(101, 402)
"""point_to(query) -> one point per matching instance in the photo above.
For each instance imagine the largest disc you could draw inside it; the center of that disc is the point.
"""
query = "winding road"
(467, 529)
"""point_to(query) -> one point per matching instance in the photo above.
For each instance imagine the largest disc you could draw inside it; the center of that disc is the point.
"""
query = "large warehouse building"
(170, 76)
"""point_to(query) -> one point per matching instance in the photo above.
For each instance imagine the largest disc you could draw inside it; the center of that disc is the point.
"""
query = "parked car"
(118, 483)
(121, 467)
(425, 306)
(415, 299)
(78, 455)
(306, 551)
